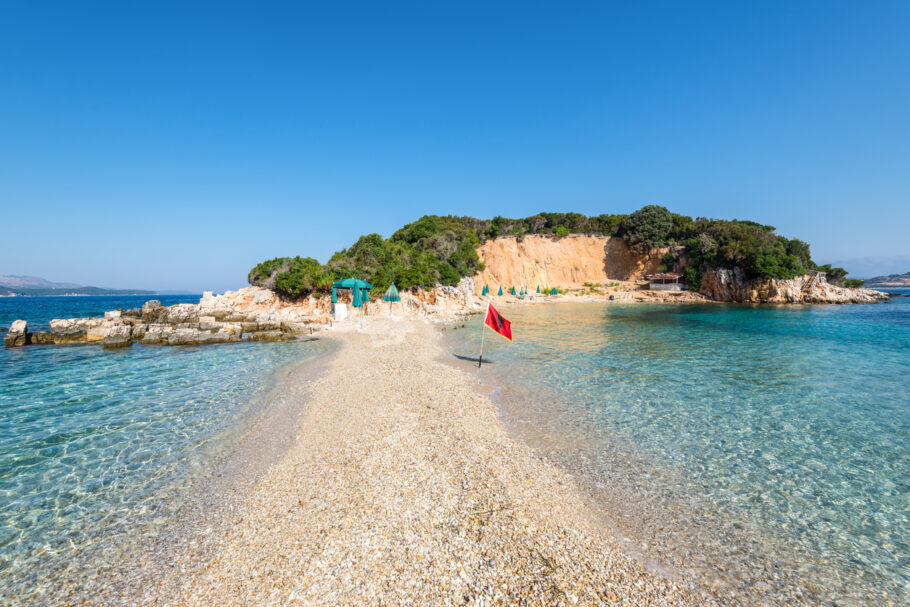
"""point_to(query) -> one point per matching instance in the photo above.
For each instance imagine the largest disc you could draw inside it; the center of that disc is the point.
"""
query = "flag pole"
(482, 333)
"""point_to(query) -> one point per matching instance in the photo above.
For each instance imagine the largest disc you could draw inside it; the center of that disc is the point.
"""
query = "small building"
(667, 281)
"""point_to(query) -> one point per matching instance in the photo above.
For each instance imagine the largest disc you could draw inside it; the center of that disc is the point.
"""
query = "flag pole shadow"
(473, 359)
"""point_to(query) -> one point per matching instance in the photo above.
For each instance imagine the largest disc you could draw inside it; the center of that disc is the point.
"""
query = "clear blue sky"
(174, 145)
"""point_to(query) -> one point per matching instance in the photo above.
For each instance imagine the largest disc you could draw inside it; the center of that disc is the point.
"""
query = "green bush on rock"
(442, 249)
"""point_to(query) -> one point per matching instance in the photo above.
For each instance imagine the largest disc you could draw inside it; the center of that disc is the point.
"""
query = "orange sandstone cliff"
(564, 262)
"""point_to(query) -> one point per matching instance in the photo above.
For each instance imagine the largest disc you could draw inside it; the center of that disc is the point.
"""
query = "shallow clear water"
(773, 438)
(94, 441)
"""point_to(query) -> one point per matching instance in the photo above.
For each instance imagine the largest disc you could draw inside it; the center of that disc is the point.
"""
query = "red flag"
(499, 324)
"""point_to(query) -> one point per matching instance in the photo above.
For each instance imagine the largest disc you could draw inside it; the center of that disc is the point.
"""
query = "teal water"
(95, 442)
(763, 449)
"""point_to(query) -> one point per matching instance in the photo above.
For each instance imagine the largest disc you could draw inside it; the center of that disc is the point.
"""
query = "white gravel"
(403, 488)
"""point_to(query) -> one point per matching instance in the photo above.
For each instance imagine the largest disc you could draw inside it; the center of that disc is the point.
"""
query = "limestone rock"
(151, 310)
(139, 330)
(119, 336)
(156, 333)
(267, 336)
(75, 330)
(731, 285)
(189, 337)
(42, 339)
(17, 335)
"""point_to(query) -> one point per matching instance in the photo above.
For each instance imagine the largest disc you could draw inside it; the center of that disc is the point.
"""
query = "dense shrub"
(647, 228)
(440, 250)
(692, 277)
(746, 244)
(302, 276)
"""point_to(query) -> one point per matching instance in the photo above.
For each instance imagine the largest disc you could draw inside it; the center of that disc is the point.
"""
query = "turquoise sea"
(760, 449)
(95, 443)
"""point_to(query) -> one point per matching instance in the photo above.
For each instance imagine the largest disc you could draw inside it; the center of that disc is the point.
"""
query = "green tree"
(648, 227)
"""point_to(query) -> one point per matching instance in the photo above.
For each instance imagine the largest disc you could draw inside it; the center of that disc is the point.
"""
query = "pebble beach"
(401, 487)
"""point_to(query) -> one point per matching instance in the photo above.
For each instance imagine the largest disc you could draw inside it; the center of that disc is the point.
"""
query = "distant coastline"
(899, 281)
(72, 292)
(14, 285)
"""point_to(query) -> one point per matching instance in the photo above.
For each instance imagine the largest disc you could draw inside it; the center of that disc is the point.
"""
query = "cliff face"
(574, 260)
(730, 285)
(569, 261)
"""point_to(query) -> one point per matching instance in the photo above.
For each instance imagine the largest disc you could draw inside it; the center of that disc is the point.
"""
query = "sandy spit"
(403, 488)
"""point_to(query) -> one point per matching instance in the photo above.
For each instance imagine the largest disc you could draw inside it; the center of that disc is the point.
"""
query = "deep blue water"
(39, 311)
(93, 441)
(786, 424)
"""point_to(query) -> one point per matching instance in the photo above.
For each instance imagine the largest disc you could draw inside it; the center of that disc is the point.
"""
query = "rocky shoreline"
(732, 286)
(258, 314)
(249, 314)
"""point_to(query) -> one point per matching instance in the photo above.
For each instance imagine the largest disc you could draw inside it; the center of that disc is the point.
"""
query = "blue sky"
(174, 145)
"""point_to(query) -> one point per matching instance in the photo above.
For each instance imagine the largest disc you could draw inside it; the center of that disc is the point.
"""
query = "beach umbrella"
(538, 289)
(513, 290)
(391, 294)
(334, 295)
(500, 291)
(366, 294)
(358, 300)
(553, 291)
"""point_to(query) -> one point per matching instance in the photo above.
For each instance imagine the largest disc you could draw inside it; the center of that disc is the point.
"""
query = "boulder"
(262, 296)
(131, 313)
(267, 336)
(181, 314)
(151, 310)
(119, 336)
(208, 323)
(295, 327)
(17, 335)
(75, 330)
(156, 333)
(189, 337)
(139, 330)
(100, 332)
(42, 339)
(113, 314)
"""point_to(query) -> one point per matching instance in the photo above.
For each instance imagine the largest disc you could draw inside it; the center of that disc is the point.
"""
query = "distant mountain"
(34, 282)
(894, 281)
(33, 286)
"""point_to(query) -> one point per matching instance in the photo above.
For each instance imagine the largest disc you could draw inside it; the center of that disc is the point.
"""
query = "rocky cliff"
(730, 285)
(565, 262)
(571, 261)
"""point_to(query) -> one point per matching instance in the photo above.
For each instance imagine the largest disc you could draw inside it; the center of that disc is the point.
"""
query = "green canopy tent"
(360, 292)
(391, 294)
